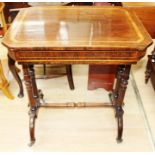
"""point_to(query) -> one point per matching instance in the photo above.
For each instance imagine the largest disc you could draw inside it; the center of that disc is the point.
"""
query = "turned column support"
(148, 70)
(118, 76)
(33, 96)
(118, 97)
(151, 60)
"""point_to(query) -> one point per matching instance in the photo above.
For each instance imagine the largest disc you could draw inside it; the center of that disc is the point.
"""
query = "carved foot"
(32, 115)
(119, 116)
(21, 94)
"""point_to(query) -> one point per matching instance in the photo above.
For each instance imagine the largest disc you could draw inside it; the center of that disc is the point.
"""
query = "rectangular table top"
(145, 11)
(77, 28)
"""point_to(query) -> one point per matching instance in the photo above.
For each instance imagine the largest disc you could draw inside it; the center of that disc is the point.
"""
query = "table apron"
(74, 57)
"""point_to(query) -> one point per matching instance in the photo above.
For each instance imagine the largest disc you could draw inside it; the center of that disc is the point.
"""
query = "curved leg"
(33, 96)
(121, 86)
(70, 76)
(32, 118)
(119, 116)
(12, 67)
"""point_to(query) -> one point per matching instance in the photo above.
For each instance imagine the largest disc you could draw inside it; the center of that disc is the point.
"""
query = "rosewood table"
(76, 35)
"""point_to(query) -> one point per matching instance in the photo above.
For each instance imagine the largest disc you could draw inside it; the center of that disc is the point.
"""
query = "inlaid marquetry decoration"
(77, 28)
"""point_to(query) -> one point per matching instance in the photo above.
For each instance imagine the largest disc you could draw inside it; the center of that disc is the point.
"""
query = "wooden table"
(76, 35)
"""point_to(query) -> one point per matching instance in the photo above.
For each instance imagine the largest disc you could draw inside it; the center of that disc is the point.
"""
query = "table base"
(36, 99)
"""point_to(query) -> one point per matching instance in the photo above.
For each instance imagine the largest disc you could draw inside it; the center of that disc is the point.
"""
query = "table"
(76, 35)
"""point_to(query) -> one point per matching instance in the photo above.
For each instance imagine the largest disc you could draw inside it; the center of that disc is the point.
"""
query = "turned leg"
(70, 76)
(114, 94)
(12, 67)
(121, 86)
(151, 59)
(33, 96)
(32, 118)
(148, 70)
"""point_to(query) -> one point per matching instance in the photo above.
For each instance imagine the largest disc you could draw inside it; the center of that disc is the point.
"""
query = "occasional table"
(76, 35)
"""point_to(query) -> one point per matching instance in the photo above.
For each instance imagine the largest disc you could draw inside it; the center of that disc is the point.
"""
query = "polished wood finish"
(145, 12)
(12, 10)
(70, 76)
(101, 31)
(14, 71)
(118, 94)
(71, 35)
(101, 76)
(33, 95)
(150, 69)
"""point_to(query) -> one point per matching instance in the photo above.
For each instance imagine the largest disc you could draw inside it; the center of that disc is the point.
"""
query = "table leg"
(33, 96)
(119, 72)
(12, 67)
(151, 59)
(70, 76)
(118, 96)
(148, 70)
